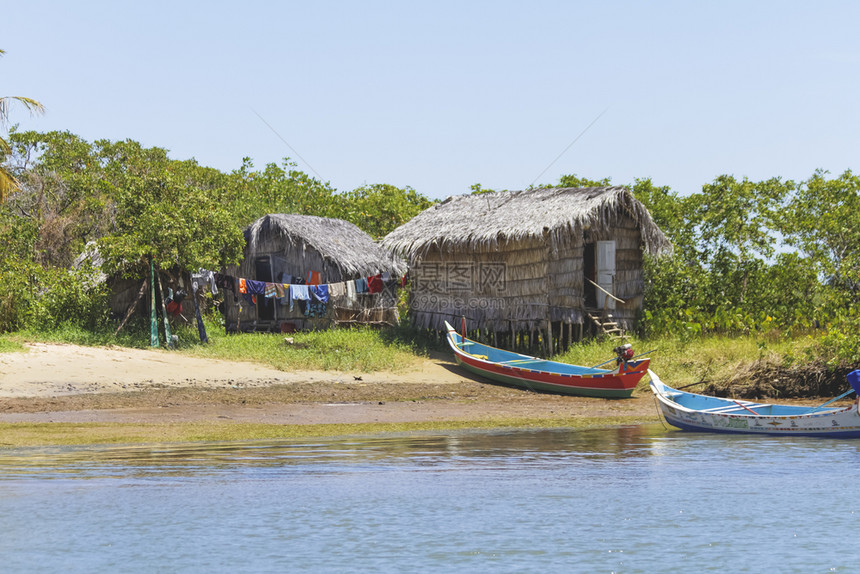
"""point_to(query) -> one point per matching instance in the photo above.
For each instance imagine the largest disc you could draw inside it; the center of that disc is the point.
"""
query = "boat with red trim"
(537, 374)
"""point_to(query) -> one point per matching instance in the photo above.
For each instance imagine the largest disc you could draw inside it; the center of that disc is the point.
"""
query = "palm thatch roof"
(338, 242)
(485, 220)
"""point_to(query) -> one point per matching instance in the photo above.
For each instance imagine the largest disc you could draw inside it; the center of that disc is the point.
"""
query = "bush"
(68, 297)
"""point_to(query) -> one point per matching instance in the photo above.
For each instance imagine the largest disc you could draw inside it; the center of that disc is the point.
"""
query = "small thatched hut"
(291, 249)
(130, 295)
(524, 261)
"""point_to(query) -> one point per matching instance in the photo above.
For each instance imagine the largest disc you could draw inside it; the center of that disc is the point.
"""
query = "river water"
(628, 499)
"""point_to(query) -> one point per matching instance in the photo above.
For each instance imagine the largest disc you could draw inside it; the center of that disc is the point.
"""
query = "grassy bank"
(15, 435)
(359, 349)
(707, 359)
(679, 362)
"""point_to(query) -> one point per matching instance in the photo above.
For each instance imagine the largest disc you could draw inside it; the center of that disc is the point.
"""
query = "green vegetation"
(358, 349)
(69, 434)
(774, 260)
(713, 359)
(9, 345)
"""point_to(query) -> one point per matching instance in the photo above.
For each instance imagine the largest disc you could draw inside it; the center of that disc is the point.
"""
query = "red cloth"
(173, 308)
(374, 284)
(313, 278)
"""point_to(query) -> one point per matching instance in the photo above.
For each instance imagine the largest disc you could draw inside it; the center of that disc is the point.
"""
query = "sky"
(442, 95)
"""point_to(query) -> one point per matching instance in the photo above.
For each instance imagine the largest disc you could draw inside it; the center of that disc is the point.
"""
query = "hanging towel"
(313, 278)
(361, 285)
(374, 284)
(255, 287)
(270, 290)
(285, 299)
(336, 290)
(243, 288)
(350, 293)
(280, 292)
(320, 293)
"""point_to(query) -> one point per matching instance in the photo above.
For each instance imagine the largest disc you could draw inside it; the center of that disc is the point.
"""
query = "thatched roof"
(339, 242)
(484, 220)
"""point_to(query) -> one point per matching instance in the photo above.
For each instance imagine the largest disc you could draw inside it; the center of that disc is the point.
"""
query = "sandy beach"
(72, 384)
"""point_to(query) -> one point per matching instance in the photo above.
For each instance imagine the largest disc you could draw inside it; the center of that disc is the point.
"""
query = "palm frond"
(33, 106)
(8, 184)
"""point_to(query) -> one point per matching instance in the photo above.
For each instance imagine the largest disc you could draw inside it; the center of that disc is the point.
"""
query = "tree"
(737, 224)
(8, 183)
(823, 221)
(172, 212)
(60, 191)
(278, 189)
(380, 208)
(574, 180)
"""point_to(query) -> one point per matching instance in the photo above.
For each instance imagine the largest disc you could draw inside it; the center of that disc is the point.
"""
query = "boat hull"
(744, 417)
(546, 376)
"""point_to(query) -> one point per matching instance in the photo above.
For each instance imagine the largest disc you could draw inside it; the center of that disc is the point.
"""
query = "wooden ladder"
(607, 325)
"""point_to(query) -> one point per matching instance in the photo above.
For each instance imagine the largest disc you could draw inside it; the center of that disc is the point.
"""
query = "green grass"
(74, 335)
(16, 435)
(359, 349)
(363, 349)
(680, 363)
(11, 343)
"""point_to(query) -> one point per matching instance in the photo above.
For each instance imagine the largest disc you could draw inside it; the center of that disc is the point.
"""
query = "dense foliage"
(136, 205)
(749, 256)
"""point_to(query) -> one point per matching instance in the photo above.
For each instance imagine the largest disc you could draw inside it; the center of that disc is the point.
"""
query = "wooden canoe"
(692, 412)
(542, 375)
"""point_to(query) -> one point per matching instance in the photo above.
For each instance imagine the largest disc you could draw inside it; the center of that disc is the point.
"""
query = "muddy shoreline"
(70, 384)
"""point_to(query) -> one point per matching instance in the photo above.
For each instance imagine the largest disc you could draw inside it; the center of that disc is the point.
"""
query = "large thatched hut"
(550, 261)
(284, 249)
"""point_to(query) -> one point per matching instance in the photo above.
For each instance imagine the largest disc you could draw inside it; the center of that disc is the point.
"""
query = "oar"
(745, 407)
(630, 359)
(842, 396)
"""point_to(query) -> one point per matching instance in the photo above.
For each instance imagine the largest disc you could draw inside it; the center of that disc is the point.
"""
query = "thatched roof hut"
(518, 261)
(286, 248)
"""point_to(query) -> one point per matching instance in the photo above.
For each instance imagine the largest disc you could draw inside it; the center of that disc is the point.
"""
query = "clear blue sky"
(441, 95)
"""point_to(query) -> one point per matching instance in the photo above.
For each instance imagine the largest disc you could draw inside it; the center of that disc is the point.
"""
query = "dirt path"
(67, 383)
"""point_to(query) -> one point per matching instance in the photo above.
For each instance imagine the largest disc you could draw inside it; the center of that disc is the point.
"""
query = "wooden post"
(167, 334)
(549, 345)
(153, 323)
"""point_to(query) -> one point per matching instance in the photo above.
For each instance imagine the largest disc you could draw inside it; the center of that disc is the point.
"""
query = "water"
(631, 499)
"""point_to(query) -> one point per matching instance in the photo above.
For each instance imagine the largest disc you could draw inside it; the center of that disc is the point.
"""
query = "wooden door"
(606, 272)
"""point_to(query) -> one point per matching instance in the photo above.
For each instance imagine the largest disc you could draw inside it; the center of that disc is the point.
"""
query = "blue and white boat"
(692, 412)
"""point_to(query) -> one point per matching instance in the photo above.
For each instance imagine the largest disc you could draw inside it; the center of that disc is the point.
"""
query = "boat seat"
(732, 408)
(520, 361)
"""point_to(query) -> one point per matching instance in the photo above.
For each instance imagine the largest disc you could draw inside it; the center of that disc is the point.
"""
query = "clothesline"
(288, 291)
